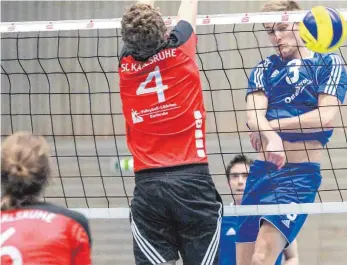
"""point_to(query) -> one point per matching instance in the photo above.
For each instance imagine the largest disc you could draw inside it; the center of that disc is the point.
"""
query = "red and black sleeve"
(182, 36)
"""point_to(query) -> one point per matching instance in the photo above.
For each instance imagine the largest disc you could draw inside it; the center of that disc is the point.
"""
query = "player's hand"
(255, 139)
(275, 152)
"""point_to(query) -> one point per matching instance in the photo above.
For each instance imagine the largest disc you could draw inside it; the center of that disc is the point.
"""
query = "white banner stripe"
(170, 21)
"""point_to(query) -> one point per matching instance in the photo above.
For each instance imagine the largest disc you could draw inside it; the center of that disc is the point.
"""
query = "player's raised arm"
(188, 11)
(147, 2)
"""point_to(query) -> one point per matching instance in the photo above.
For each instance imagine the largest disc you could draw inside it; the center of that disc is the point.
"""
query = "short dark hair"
(236, 160)
(143, 31)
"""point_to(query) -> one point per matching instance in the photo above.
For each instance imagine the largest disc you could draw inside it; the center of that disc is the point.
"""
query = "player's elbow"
(251, 123)
(328, 117)
(252, 120)
(327, 122)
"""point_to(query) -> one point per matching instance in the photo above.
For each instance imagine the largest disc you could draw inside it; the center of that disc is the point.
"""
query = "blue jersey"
(227, 255)
(292, 88)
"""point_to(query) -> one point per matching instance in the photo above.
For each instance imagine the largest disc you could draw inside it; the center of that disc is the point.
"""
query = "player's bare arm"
(291, 254)
(317, 120)
(147, 2)
(188, 12)
(257, 104)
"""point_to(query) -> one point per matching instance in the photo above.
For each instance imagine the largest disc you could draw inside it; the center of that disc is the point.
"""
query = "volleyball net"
(59, 79)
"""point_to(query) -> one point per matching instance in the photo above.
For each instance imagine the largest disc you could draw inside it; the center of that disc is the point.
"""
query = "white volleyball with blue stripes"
(323, 29)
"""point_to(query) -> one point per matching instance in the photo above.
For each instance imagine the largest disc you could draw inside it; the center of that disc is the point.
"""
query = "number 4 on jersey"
(159, 88)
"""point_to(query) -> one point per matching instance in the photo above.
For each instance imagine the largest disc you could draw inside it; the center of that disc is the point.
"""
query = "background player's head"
(237, 172)
(284, 36)
(143, 31)
(25, 169)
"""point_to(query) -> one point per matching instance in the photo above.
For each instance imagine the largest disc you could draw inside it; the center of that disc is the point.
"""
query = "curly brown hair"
(143, 31)
(25, 169)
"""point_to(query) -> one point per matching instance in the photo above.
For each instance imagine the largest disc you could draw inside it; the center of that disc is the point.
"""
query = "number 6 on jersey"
(10, 251)
(159, 88)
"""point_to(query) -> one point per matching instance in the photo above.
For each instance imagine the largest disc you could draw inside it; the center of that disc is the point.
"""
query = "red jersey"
(44, 234)
(163, 104)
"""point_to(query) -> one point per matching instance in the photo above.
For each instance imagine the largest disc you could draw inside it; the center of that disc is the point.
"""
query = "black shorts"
(176, 210)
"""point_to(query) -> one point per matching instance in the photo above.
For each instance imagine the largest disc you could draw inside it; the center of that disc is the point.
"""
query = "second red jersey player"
(44, 234)
(33, 232)
(163, 104)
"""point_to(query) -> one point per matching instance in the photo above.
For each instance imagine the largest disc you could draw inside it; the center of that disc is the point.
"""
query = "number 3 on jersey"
(159, 88)
(10, 251)
(294, 70)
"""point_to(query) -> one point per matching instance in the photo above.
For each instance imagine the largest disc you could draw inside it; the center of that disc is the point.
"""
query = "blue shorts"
(294, 183)
(227, 252)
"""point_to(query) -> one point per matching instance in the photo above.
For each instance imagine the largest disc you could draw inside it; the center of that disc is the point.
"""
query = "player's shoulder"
(59, 210)
(327, 58)
(180, 34)
(269, 61)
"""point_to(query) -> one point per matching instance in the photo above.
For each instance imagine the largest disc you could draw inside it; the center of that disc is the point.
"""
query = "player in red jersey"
(176, 208)
(33, 232)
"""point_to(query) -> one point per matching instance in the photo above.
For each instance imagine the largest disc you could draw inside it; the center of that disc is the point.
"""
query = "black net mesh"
(64, 85)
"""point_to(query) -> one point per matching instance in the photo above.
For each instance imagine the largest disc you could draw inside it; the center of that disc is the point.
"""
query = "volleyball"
(323, 29)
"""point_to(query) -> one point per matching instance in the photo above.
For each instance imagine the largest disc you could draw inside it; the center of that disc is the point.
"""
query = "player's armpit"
(188, 12)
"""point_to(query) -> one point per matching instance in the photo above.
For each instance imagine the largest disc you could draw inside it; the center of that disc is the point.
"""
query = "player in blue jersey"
(237, 172)
(292, 100)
